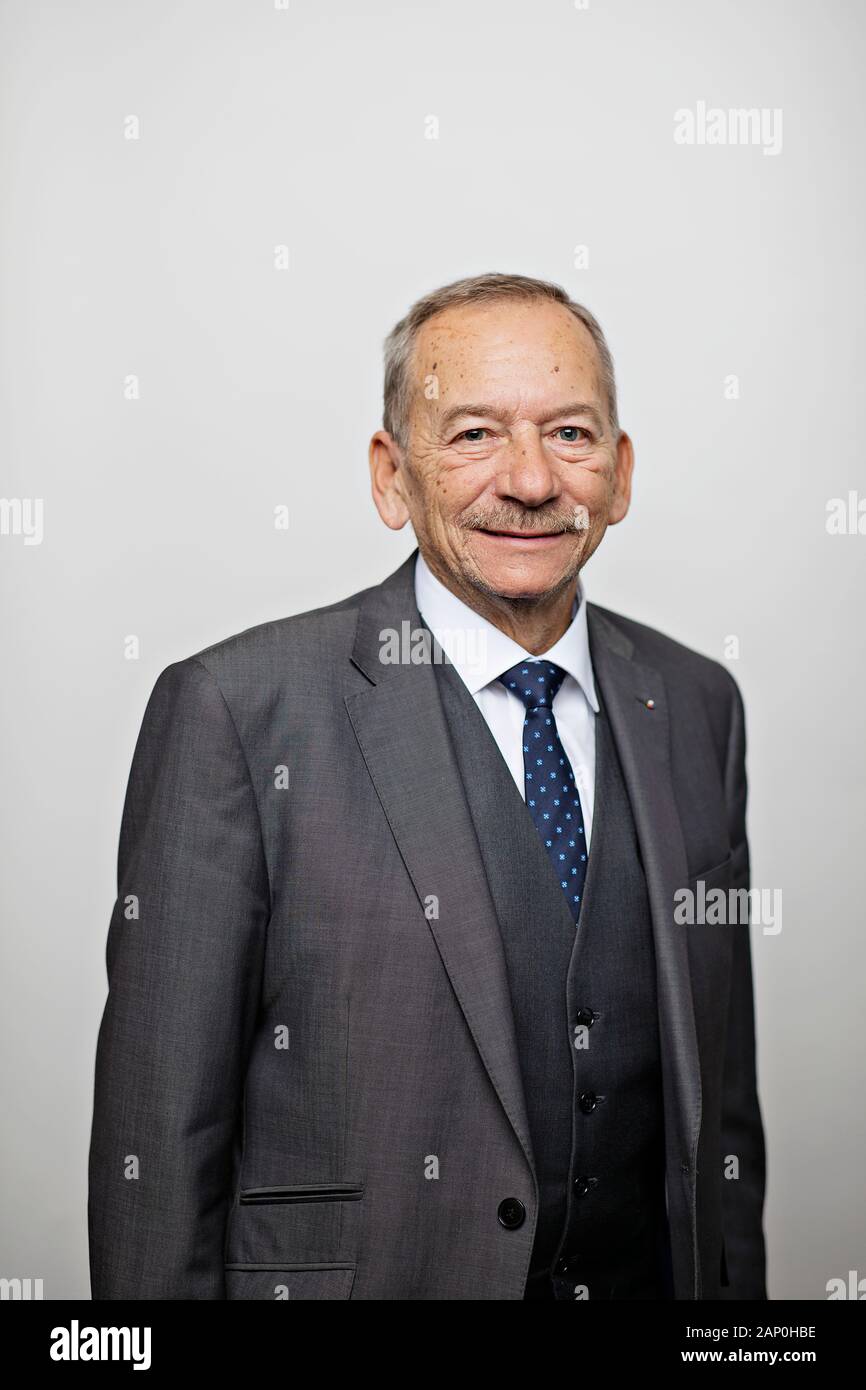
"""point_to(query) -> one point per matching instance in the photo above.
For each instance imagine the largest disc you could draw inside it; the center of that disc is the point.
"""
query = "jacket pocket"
(279, 1283)
(711, 878)
(301, 1192)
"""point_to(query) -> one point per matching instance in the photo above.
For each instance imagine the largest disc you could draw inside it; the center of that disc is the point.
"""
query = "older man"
(399, 1005)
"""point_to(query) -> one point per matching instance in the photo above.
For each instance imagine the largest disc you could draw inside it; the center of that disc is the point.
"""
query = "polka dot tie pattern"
(552, 797)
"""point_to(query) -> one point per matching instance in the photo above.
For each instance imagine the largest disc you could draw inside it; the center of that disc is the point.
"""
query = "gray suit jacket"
(307, 1083)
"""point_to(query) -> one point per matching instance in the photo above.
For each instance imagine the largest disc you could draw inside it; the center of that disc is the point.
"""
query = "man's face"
(512, 473)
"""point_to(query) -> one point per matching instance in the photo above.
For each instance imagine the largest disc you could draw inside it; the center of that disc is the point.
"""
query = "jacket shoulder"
(266, 646)
(679, 664)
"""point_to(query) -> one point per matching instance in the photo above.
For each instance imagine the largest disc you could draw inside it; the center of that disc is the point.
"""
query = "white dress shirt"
(480, 653)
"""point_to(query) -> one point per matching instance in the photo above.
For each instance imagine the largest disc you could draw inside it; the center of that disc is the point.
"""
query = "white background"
(155, 257)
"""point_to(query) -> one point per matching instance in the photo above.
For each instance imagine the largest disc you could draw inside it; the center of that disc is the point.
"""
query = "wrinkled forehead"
(511, 353)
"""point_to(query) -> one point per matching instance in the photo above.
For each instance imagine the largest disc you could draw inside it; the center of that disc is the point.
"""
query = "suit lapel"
(401, 731)
(642, 735)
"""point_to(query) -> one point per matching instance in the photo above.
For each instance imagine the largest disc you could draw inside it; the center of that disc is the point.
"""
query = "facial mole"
(556, 369)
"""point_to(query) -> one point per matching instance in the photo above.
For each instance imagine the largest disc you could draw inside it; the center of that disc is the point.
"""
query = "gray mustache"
(556, 524)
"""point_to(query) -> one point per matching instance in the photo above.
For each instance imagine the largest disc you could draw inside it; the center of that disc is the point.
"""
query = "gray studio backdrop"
(213, 211)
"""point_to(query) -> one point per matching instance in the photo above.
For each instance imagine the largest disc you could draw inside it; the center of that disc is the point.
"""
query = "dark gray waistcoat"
(585, 1011)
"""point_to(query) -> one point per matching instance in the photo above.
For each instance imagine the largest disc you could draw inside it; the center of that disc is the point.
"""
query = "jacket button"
(584, 1017)
(587, 1101)
(511, 1213)
(583, 1185)
(566, 1265)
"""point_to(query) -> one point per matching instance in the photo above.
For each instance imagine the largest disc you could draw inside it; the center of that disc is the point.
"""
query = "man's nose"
(528, 476)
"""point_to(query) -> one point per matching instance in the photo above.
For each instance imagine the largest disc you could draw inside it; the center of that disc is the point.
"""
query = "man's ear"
(386, 480)
(622, 479)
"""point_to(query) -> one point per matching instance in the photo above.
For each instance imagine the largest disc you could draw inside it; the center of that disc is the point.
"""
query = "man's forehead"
(470, 328)
(466, 346)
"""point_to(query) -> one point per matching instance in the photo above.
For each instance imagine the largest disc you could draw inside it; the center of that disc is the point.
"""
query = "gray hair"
(476, 289)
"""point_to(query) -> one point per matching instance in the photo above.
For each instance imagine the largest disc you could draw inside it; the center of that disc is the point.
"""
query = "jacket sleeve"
(742, 1127)
(184, 955)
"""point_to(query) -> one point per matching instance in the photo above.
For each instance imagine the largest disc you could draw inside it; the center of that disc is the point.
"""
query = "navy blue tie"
(551, 793)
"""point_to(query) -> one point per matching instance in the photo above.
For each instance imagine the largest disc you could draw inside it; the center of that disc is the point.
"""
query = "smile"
(522, 537)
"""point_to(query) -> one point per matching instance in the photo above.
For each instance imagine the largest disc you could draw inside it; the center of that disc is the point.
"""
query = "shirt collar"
(480, 652)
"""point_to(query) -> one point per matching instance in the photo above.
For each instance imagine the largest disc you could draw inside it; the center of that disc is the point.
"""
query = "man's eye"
(472, 436)
(573, 434)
